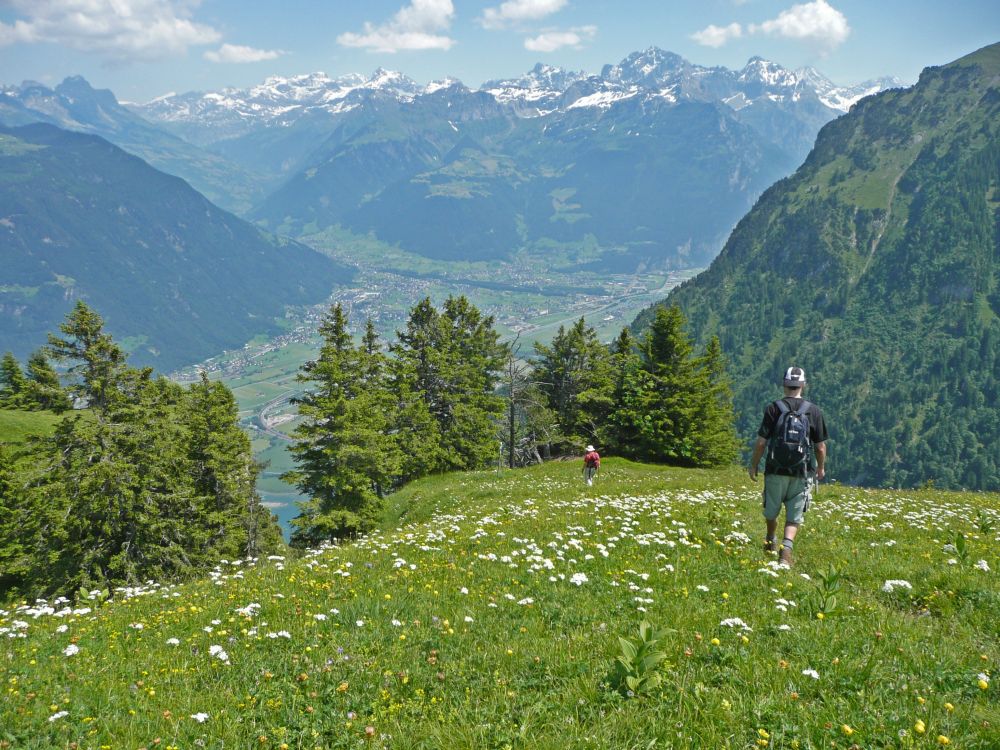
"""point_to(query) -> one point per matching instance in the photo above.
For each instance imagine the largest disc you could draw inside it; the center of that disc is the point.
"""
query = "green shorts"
(792, 492)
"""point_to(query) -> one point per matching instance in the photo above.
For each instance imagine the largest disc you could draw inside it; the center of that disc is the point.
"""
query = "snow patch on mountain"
(604, 99)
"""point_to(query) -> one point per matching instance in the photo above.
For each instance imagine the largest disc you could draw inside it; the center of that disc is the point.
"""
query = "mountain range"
(652, 161)
(876, 267)
(176, 278)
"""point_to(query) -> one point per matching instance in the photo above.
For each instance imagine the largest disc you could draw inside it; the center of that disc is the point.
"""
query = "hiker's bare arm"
(820, 460)
(758, 451)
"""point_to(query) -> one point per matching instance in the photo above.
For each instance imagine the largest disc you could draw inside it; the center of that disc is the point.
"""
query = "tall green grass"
(488, 613)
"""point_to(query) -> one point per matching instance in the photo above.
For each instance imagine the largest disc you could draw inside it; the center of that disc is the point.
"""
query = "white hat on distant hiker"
(590, 448)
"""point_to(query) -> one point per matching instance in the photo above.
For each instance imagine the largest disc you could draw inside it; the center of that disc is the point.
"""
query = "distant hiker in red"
(591, 465)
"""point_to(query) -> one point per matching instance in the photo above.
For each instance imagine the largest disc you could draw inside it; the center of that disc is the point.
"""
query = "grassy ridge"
(487, 615)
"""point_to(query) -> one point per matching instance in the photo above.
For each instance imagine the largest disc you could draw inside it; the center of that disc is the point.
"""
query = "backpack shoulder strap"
(803, 408)
(783, 407)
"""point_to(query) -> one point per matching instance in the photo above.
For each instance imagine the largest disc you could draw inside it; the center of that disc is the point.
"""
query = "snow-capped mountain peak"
(442, 85)
(651, 66)
(392, 81)
(767, 73)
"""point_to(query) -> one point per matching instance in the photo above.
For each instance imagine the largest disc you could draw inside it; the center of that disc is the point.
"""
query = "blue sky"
(143, 48)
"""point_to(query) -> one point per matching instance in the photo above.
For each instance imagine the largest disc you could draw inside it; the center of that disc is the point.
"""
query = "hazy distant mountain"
(75, 105)
(876, 267)
(653, 160)
(176, 278)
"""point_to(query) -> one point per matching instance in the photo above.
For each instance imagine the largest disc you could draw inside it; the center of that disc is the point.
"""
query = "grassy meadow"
(489, 612)
(16, 425)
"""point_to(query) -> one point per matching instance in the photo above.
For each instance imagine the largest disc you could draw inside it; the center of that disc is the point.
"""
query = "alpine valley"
(651, 162)
(648, 164)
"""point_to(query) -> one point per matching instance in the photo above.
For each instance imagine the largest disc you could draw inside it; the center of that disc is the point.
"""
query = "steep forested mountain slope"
(176, 278)
(876, 266)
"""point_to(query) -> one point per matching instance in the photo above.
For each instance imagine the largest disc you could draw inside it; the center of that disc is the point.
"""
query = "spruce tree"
(98, 362)
(333, 468)
(629, 383)
(475, 358)
(376, 409)
(12, 553)
(224, 473)
(574, 372)
(451, 362)
(671, 393)
(43, 387)
(715, 437)
(13, 384)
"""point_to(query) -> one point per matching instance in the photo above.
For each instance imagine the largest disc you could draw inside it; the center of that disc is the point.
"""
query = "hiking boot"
(785, 556)
(769, 545)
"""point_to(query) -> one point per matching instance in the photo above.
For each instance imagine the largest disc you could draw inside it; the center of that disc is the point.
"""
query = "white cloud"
(817, 21)
(237, 53)
(120, 30)
(716, 36)
(416, 26)
(517, 11)
(550, 41)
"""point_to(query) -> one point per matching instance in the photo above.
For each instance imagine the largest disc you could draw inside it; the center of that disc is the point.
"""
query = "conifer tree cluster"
(374, 421)
(150, 480)
(37, 389)
(654, 400)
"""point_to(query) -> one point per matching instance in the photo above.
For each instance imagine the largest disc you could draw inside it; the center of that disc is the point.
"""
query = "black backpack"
(790, 449)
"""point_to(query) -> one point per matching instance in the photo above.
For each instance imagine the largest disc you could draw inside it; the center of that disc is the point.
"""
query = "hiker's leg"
(774, 490)
(795, 508)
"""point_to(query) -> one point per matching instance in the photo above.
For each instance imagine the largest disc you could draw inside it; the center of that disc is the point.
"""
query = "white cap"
(795, 377)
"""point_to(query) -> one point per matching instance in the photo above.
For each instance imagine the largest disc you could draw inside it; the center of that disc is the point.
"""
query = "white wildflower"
(983, 566)
(579, 578)
(891, 585)
(735, 622)
(811, 673)
(199, 717)
(71, 650)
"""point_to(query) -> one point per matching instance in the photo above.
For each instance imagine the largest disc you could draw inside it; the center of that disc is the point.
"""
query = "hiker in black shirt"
(792, 460)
